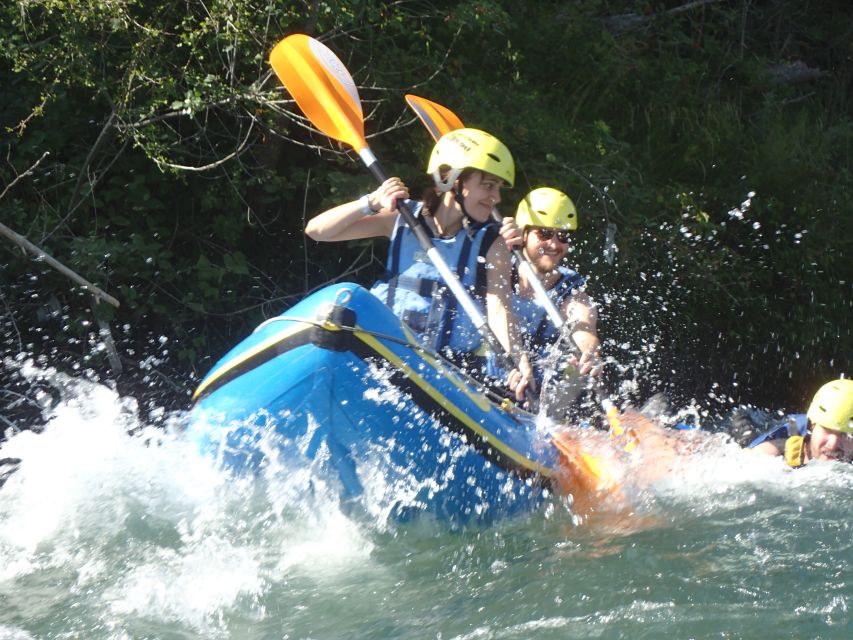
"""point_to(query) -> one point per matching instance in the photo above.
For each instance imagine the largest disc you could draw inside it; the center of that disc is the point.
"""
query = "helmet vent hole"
(494, 157)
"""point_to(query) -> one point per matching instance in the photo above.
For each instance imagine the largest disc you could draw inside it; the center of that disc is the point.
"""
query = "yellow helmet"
(464, 148)
(832, 406)
(547, 207)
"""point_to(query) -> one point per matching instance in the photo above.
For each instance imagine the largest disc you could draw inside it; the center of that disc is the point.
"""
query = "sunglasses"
(545, 235)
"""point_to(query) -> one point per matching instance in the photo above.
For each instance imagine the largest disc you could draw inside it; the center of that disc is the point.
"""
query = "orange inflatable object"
(603, 470)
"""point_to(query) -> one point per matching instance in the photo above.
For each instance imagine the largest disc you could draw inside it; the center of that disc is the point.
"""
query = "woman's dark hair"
(432, 198)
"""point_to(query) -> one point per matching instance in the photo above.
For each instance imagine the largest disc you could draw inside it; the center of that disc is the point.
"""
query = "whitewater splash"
(122, 520)
(115, 528)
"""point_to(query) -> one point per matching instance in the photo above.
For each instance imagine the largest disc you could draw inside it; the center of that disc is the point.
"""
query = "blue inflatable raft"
(338, 386)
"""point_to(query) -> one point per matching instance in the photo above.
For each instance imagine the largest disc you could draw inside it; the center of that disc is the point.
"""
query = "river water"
(113, 528)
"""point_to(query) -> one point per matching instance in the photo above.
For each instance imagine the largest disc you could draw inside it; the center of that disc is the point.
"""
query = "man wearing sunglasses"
(542, 224)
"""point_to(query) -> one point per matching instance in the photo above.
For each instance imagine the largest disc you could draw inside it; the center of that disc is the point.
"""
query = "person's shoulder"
(570, 277)
(770, 447)
(572, 286)
(415, 206)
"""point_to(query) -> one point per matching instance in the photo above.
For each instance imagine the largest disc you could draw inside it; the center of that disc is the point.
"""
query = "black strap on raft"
(271, 351)
(343, 317)
(340, 340)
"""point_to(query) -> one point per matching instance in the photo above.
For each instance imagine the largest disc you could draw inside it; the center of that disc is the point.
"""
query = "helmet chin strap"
(460, 200)
(448, 183)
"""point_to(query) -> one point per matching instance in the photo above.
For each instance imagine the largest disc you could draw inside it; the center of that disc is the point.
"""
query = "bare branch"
(93, 182)
(794, 72)
(20, 176)
(36, 111)
(626, 21)
(22, 242)
(83, 170)
(239, 150)
(178, 113)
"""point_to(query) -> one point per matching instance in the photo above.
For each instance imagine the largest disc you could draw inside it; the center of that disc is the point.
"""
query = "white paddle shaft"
(525, 268)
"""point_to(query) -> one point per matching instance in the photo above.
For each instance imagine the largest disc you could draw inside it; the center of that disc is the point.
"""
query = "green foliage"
(180, 179)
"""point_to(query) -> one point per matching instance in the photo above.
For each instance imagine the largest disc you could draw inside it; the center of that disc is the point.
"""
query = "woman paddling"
(469, 167)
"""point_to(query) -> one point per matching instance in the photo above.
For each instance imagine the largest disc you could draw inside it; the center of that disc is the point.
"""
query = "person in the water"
(824, 433)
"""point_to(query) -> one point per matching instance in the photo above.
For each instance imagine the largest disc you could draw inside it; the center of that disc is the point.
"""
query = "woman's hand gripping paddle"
(439, 120)
(327, 95)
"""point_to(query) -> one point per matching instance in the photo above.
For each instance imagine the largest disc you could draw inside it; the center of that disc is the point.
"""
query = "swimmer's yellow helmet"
(470, 148)
(832, 406)
(549, 208)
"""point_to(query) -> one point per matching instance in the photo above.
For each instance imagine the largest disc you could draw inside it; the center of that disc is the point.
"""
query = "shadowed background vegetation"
(148, 146)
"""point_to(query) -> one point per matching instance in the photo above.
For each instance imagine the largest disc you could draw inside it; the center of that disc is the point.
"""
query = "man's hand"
(520, 380)
(589, 363)
(512, 235)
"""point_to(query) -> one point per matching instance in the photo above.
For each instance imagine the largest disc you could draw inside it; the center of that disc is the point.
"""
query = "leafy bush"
(179, 176)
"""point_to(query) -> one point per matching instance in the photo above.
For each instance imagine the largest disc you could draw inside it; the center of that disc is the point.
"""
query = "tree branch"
(216, 163)
(23, 175)
(22, 242)
(98, 142)
(626, 21)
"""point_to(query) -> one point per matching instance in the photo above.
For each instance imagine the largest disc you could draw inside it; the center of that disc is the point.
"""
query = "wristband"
(365, 205)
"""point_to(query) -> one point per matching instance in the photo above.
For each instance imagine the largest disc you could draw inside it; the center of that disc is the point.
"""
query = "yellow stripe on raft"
(454, 410)
(249, 353)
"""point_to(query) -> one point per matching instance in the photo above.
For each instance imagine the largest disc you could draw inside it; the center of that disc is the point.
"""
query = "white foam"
(139, 524)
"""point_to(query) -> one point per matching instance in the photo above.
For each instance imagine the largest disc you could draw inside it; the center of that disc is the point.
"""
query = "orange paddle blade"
(438, 119)
(321, 86)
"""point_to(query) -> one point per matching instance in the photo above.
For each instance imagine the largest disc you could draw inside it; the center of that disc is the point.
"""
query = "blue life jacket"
(415, 290)
(794, 424)
(534, 325)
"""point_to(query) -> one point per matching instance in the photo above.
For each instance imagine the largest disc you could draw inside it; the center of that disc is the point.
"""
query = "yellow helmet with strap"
(832, 406)
(547, 207)
(469, 148)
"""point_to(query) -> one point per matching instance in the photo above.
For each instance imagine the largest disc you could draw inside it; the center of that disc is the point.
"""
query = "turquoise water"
(109, 535)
